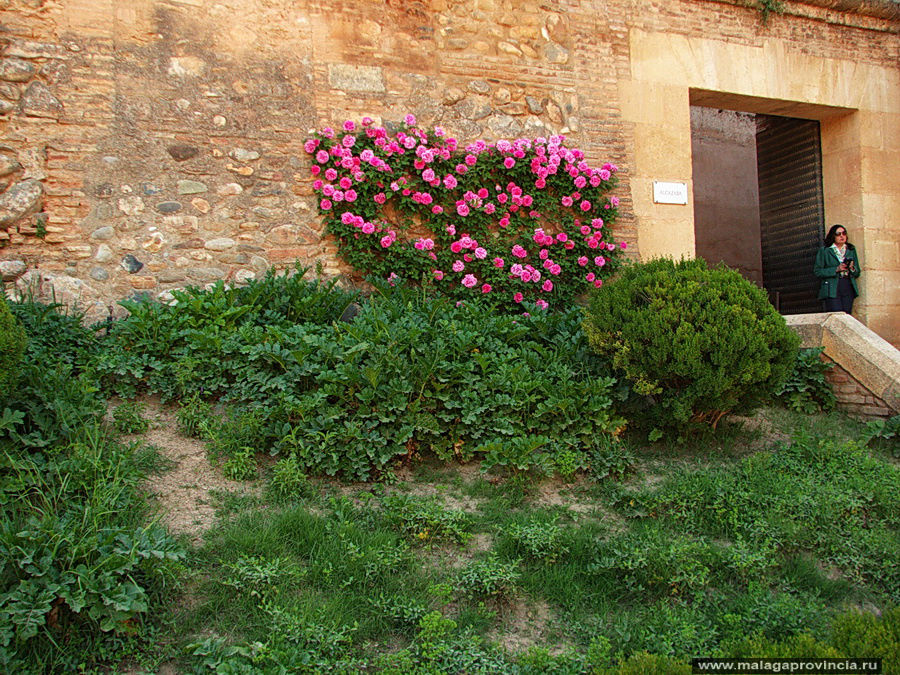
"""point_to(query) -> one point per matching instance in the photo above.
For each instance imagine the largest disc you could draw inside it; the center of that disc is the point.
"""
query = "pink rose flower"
(368, 228)
(583, 261)
(518, 297)
(458, 266)
(469, 280)
(480, 253)
(386, 241)
(547, 286)
(438, 274)
(485, 288)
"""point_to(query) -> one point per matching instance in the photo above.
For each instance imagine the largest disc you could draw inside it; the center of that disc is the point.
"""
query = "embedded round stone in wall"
(99, 274)
(230, 189)
(12, 269)
(8, 165)
(534, 106)
(103, 233)
(181, 152)
(168, 207)
(131, 264)
(5, 107)
(37, 101)
(222, 244)
(16, 70)
(504, 126)
(201, 205)
(479, 87)
(555, 53)
(243, 276)
(131, 205)
(104, 253)
(22, 199)
(191, 187)
(453, 95)
(242, 155)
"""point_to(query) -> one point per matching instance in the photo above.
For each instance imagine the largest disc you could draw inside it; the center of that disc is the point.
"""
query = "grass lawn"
(769, 530)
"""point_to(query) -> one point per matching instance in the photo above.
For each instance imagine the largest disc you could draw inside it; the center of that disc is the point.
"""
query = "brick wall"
(167, 134)
(852, 396)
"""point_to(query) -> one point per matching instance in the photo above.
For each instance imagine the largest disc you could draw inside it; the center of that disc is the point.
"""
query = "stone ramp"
(866, 378)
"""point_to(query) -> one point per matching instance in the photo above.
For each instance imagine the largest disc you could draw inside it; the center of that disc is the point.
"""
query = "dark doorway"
(791, 209)
(758, 203)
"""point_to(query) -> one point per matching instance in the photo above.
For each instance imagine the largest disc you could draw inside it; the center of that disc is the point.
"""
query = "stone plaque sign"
(669, 193)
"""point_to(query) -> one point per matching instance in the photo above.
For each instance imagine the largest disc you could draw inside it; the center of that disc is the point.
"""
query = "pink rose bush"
(536, 202)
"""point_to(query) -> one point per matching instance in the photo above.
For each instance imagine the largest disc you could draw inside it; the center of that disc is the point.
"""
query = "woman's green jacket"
(826, 269)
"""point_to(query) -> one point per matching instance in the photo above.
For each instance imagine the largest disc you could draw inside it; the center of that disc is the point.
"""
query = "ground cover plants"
(510, 521)
(82, 567)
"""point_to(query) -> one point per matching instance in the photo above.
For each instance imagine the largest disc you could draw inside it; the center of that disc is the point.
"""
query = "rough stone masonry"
(152, 144)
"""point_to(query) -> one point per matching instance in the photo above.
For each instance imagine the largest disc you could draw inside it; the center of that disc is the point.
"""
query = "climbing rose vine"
(522, 220)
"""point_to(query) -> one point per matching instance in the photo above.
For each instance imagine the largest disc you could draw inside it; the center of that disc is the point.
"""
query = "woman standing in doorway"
(838, 266)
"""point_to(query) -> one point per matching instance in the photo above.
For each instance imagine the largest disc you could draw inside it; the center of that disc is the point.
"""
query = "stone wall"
(852, 396)
(152, 144)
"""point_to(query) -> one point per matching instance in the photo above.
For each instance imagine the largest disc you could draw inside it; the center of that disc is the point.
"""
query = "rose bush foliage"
(522, 220)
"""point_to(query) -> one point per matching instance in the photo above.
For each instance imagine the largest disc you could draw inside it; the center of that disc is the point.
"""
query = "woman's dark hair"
(829, 238)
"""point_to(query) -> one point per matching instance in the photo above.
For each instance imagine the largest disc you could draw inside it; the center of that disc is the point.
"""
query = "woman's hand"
(842, 267)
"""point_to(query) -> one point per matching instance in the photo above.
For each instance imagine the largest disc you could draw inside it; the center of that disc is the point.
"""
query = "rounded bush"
(695, 343)
(12, 346)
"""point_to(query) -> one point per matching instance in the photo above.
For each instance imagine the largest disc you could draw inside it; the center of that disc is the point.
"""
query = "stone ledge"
(869, 358)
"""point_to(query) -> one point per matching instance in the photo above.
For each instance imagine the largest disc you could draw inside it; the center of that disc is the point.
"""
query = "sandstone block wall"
(152, 144)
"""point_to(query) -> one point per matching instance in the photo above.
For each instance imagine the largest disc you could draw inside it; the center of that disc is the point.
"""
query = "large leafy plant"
(519, 220)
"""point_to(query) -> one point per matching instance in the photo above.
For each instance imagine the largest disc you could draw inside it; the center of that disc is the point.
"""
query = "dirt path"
(184, 491)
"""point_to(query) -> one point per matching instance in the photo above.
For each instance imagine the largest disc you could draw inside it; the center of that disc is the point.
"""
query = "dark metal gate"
(791, 210)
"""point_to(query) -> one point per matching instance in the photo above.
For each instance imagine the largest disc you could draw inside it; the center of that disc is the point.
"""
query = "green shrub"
(806, 389)
(695, 343)
(860, 633)
(853, 634)
(12, 347)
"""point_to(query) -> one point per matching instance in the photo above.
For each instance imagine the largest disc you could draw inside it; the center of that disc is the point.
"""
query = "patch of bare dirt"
(766, 432)
(184, 491)
(557, 493)
(525, 624)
